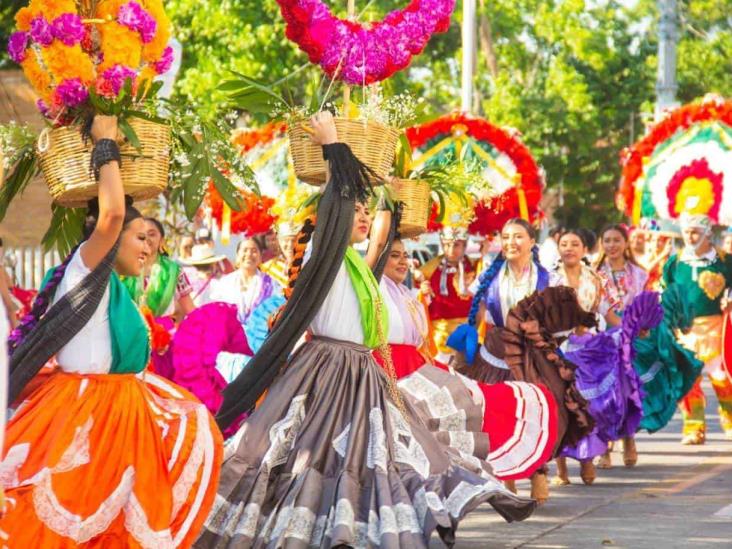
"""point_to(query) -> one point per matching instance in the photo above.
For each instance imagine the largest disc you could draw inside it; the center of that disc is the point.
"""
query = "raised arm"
(111, 193)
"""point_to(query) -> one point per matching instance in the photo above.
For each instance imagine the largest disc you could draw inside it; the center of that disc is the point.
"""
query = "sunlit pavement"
(676, 496)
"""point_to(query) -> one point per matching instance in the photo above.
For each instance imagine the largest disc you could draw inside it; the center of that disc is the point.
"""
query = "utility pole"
(668, 36)
(469, 31)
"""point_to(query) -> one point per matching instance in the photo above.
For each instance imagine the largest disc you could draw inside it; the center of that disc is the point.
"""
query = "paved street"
(677, 496)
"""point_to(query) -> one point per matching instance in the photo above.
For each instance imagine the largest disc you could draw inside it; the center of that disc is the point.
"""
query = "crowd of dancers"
(314, 395)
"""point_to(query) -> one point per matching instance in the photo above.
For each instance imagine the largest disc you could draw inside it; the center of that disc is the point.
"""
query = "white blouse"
(339, 316)
(89, 351)
(397, 330)
(512, 291)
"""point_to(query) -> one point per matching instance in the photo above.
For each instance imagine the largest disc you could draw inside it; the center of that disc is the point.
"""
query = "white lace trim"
(283, 433)
(205, 440)
(61, 521)
(14, 460)
(137, 525)
(376, 453)
(78, 453)
(340, 443)
(408, 450)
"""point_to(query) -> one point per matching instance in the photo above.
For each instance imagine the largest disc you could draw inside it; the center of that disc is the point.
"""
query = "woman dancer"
(572, 272)
(515, 274)
(516, 420)
(102, 453)
(623, 280)
(247, 287)
(333, 456)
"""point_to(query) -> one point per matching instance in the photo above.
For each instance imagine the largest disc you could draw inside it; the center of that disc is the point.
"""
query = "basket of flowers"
(104, 57)
(84, 58)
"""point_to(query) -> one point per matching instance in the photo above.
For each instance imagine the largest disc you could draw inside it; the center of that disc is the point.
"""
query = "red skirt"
(519, 418)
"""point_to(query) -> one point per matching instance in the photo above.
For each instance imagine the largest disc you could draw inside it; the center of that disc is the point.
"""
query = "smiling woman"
(96, 435)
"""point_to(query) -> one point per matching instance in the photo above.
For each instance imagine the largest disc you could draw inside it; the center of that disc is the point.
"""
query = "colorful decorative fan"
(684, 164)
(514, 179)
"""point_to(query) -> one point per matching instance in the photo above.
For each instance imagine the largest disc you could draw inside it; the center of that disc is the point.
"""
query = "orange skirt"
(109, 461)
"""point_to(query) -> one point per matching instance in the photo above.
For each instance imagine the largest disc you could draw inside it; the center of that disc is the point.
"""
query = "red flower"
(253, 218)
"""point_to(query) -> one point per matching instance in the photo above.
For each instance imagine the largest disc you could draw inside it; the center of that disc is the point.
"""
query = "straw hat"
(202, 254)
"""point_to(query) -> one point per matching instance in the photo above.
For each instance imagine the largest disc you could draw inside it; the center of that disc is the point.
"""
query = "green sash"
(128, 330)
(370, 303)
(161, 286)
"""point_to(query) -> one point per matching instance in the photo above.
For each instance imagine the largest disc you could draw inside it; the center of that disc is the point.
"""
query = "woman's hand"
(324, 130)
(104, 127)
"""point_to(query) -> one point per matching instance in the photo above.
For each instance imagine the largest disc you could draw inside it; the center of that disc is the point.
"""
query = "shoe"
(695, 438)
(630, 453)
(539, 488)
(510, 486)
(605, 461)
(587, 472)
(562, 478)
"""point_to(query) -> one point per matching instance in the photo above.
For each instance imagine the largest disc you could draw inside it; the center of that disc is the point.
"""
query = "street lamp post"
(469, 30)
(668, 36)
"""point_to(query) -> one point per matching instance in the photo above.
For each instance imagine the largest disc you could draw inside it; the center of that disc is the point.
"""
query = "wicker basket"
(415, 195)
(65, 162)
(373, 144)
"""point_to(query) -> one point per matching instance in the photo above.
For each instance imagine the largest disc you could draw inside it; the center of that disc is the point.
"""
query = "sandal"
(695, 438)
(539, 488)
(587, 472)
(605, 461)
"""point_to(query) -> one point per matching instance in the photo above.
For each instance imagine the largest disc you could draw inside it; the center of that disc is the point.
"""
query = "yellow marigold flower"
(153, 50)
(51, 9)
(37, 76)
(119, 45)
(23, 19)
(68, 62)
(109, 8)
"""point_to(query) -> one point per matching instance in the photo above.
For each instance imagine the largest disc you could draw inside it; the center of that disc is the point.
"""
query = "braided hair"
(298, 254)
(40, 305)
(44, 298)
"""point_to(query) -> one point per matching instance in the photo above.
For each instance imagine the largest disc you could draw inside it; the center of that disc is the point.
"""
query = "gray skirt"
(328, 460)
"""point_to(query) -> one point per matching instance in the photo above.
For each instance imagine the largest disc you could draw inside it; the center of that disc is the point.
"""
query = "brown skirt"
(489, 365)
(329, 460)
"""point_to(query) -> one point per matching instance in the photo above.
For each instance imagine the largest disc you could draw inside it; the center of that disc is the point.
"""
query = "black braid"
(40, 305)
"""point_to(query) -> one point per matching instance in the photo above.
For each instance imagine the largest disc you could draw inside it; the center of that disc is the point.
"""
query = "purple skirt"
(611, 387)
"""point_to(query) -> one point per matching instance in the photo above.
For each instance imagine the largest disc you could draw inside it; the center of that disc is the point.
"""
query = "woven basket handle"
(44, 140)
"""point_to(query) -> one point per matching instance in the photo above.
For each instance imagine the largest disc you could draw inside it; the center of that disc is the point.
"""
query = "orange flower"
(23, 19)
(152, 51)
(109, 8)
(68, 62)
(51, 9)
(39, 78)
(120, 45)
